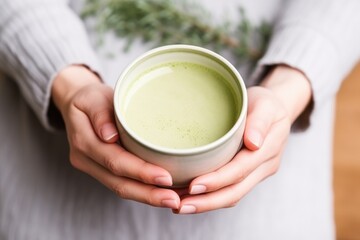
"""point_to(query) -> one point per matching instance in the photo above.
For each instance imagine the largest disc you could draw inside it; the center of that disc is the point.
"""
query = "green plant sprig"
(162, 22)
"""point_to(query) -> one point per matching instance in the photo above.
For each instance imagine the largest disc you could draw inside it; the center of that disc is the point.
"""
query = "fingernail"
(163, 181)
(108, 131)
(187, 209)
(170, 203)
(255, 137)
(197, 189)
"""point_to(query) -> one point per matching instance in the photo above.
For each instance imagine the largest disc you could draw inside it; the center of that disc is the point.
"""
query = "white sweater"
(42, 197)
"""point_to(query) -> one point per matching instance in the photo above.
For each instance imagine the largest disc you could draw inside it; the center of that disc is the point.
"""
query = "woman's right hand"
(87, 108)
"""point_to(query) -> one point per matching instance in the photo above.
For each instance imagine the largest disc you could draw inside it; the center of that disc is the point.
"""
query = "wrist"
(69, 81)
(291, 87)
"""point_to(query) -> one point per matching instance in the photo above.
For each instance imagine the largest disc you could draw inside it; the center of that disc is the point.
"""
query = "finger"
(225, 197)
(233, 172)
(98, 106)
(261, 115)
(130, 189)
(114, 158)
(122, 163)
(243, 163)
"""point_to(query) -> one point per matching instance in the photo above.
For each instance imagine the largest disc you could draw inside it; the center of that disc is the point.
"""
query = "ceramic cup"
(188, 163)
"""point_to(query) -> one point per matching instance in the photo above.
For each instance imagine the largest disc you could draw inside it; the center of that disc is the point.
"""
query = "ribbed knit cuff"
(309, 51)
(38, 39)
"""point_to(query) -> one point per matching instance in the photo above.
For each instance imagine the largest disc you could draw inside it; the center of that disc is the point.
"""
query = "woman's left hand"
(272, 108)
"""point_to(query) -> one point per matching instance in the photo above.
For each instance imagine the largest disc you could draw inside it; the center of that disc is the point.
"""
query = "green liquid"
(180, 105)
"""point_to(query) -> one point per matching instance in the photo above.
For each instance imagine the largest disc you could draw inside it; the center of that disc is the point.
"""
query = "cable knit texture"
(37, 39)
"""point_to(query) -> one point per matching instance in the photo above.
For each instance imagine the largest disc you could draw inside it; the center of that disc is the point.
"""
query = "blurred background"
(347, 158)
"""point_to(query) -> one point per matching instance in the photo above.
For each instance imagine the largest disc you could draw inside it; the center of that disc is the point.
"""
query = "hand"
(87, 108)
(272, 108)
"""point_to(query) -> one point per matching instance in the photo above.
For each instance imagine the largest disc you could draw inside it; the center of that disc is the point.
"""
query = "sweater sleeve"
(37, 39)
(321, 38)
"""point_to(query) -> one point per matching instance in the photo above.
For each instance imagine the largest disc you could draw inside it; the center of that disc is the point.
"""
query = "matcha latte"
(182, 108)
(180, 105)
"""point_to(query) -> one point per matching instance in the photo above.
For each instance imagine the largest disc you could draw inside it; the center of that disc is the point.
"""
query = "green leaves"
(164, 22)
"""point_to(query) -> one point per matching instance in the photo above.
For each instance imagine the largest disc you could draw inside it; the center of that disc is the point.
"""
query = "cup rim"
(184, 151)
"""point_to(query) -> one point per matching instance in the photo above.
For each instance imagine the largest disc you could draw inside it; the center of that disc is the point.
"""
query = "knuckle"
(101, 116)
(273, 167)
(78, 142)
(121, 190)
(74, 161)
(110, 164)
(235, 199)
(151, 198)
(232, 204)
(217, 183)
(242, 174)
(260, 124)
(143, 173)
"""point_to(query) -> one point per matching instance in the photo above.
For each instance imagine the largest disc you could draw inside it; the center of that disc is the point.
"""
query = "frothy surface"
(180, 105)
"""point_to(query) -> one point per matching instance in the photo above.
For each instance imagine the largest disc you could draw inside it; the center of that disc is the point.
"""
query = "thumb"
(99, 108)
(108, 132)
(258, 123)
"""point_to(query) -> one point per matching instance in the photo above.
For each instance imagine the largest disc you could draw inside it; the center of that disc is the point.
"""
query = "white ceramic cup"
(183, 164)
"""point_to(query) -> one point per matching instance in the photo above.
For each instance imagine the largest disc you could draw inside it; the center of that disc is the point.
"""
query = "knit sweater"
(43, 197)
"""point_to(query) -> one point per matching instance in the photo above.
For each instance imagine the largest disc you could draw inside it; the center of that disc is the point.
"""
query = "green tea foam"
(180, 105)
